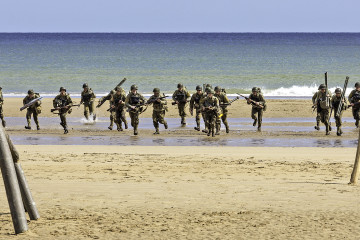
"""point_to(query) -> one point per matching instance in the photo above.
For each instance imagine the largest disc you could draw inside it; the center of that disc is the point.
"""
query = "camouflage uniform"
(195, 104)
(322, 113)
(182, 97)
(354, 97)
(134, 99)
(62, 101)
(34, 110)
(102, 100)
(1, 108)
(211, 114)
(119, 109)
(257, 109)
(222, 99)
(88, 98)
(159, 109)
(335, 101)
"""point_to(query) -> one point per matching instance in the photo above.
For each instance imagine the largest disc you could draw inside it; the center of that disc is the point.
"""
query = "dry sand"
(276, 108)
(111, 192)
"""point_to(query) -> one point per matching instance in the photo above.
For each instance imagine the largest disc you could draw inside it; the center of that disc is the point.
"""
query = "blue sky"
(179, 16)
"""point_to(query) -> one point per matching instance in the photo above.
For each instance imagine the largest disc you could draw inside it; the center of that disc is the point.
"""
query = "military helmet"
(208, 85)
(198, 87)
(0, 88)
(357, 84)
(156, 90)
(322, 86)
(255, 89)
(211, 91)
(30, 91)
(85, 85)
(217, 88)
(180, 85)
(338, 90)
(118, 88)
(207, 90)
(62, 89)
(134, 87)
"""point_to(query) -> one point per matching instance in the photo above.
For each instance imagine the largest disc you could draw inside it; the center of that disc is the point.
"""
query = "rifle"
(116, 106)
(29, 104)
(230, 102)
(342, 97)
(138, 108)
(182, 101)
(252, 101)
(104, 99)
(154, 99)
(55, 109)
(328, 99)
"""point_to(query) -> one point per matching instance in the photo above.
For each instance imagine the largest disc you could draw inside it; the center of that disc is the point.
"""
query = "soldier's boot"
(156, 131)
(117, 126)
(255, 122)
(166, 125)
(205, 130)
(227, 128)
(126, 124)
(209, 132)
(197, 128)
(94, 117)
(38, 127)
(212, 132)
(327, 129)
(66, 131)
(135, 131)
(338, 131)
(86, 116)
(110, 127)
(259, 128)
(217, 130)
(3, 122)
(120, 129)
(357, 123)
(183, 121)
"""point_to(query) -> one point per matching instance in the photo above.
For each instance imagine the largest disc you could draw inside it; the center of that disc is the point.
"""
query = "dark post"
(355, 172)
(11, 185)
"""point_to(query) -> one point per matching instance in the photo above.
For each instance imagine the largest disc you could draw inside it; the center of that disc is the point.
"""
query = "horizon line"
(173, 32)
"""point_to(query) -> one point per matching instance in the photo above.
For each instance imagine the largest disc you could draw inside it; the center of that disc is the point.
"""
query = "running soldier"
(223, 100)
(135, 102)
(256, 99)
(87, 98)
(181, 97)
(1, 108)
(102, 100)
(34, 109)
(210, 106)
(335, 101)
(63, 104)
(195, 104)
(159, 109)
(354, 100)
(118, 107)
(321, 101)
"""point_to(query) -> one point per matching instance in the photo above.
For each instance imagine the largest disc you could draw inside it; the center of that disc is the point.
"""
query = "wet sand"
(137, 192)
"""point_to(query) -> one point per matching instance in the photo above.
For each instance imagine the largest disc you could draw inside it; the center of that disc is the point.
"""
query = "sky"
(180, 16)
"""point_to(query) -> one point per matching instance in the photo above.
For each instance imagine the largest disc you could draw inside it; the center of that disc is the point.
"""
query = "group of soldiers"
(325, 104)
(210, 104)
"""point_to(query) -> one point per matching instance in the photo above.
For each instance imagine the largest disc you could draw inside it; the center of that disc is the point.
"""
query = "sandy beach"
(111, 192)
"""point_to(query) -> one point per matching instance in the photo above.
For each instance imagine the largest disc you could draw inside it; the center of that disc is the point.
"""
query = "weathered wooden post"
(355, 172)
(11, 185)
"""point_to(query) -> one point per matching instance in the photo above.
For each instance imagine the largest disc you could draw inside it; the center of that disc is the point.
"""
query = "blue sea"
(282, 64)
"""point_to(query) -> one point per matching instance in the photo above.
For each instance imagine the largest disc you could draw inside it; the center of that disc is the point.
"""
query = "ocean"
(281, 64)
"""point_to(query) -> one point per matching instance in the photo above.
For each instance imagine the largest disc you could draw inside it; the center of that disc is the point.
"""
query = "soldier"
(195, 104)
(159, 109)
(210, 105)
(102, 100)
(335, 101)
(322, 103)
(118, 106)
(256, 99)
(63, 103)
(181, 97)
(34, 109)
(1, 109)
(87, 98)
(135, 102)
(354, 98)
(317, 127)
(222, 100)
